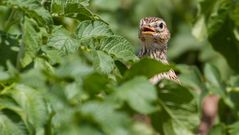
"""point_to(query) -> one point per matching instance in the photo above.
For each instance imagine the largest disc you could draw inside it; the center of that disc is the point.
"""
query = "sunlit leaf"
(90, 29)
(147, 67)
(115, 46)
(63, 41)
(103, 62)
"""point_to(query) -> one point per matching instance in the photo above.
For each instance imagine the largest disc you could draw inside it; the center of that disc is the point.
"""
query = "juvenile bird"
(154, 36)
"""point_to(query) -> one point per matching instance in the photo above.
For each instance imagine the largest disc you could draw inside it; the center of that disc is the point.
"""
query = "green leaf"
(140, 128)
(72, 66)
(87, 130)
(212, 75)
(34, 111)
(220, 23)
(95, 83)
(215, 84)
(9, 127)
(115, 46)
(234, 13)
(178, 114)
(106, 5)
(33, 9)
(218, 16)
(4, 75)
(111, 121)
(90, 29)
(97, 35)
(218, 129)
(74, 9)
(103, 62)
(199, 29)
(139, 94)
(225, 42)
(7, 102)
(146, 67)
(31, 41)
(63, 41)
(190, 76)
(233, 129)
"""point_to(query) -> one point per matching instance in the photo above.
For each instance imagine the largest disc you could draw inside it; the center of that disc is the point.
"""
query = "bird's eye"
(161, 25)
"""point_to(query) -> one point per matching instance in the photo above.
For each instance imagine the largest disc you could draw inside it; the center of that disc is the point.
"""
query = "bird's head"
(153, 31)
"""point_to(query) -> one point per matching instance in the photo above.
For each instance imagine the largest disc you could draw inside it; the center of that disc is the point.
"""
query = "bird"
(154, 36)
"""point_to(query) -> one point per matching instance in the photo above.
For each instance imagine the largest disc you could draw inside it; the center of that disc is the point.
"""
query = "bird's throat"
(155, 51)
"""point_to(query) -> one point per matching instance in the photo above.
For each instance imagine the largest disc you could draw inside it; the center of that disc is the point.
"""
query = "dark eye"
(161, 25)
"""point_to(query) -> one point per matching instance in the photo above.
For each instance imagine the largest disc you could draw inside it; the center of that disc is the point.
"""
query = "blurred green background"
(204, 46)
(180, 15)
(190, 23)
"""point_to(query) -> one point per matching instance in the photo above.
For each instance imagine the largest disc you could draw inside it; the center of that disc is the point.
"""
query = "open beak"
(147, 30)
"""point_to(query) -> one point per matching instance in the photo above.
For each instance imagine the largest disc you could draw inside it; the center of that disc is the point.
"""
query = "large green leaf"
(33, 9)
(139, 94)
(115, 46)
(63, 41)
(97, 35)
(147, 67)
(90, 29)
(178, 114)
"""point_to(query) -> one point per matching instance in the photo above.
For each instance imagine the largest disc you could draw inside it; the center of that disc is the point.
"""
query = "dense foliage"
(65, 70)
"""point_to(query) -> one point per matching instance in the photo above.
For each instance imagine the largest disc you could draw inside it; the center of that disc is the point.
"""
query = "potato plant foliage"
(63, 71)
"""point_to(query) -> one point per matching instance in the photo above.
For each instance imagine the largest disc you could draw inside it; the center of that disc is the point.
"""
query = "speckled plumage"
(154, 36)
